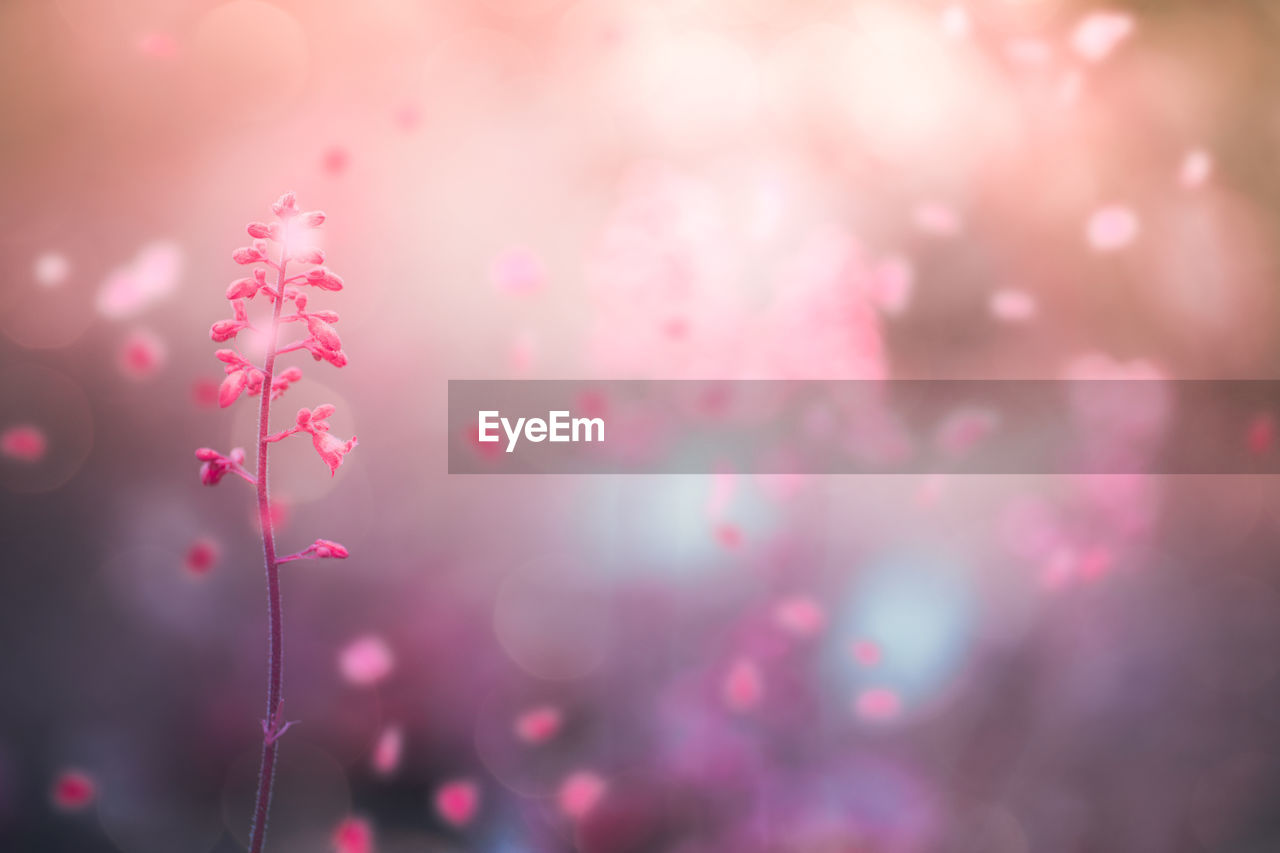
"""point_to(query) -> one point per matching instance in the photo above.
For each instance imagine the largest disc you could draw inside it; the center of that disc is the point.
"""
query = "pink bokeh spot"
(353, 835)
(1260, 437)
(1012, 306)
(388, 751)
(73, 791)
(878, 705)
(1196, 168)
(142, 355)
(366, 661)
(800, 615)
(743, 686)
(458, 801)
(1098, 34)
(24, 443)
(580, 792)
(865, 653)
(518, 271)
(539, 725)
(150, 276)
(1111, 228)
(201, 557)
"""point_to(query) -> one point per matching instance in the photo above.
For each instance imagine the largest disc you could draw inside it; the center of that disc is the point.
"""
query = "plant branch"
(271, 730)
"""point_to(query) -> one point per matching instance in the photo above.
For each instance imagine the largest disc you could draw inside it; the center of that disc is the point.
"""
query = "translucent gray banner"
(864, 427)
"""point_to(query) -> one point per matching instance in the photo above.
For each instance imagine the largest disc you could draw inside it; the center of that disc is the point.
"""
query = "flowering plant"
(288, 237)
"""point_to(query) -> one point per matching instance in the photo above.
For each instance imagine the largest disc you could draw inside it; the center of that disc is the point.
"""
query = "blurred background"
(669, 189)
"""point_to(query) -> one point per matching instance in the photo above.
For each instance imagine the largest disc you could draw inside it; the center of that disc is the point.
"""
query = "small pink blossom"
(366, 661)
(878, 705)
(579, 793)
(216, 466)
(73, 791)
(388, 751)
(538, 725)
(321, 549)
(24, 443)
(353, 835)
(1099, 33)
(458, 801)
(201, 557)
(1111, 228)
(743, 686)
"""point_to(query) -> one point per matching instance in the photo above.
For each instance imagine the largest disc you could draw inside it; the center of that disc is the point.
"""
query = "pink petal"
(458, 801)
(579, 794)
(366, 661)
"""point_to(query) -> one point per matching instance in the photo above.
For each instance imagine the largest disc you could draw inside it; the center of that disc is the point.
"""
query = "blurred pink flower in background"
(538, 725)
(142, 355)
(743, 686)
(388, 752)
(353, 835)
(150, 276)
(579, 793)
(201, 556)
(1111, 228)
(73, 791)
(458, 801)
(24, 443)
(366, 660)
(878, 705)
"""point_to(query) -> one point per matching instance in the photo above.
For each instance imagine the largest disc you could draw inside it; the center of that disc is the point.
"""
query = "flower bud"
(324, 334)
(207, 454)
(242, 288)
(247, 255)
(232, 387)
(312, 218)
(258, 229)
(322, 411)
(224, 330)
(310, 256)
(285, 206)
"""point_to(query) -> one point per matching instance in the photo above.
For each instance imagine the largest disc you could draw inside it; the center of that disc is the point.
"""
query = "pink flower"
(332, 449)
(216, 466)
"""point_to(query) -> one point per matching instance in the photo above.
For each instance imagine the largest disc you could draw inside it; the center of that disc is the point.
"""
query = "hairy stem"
(275, 660)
